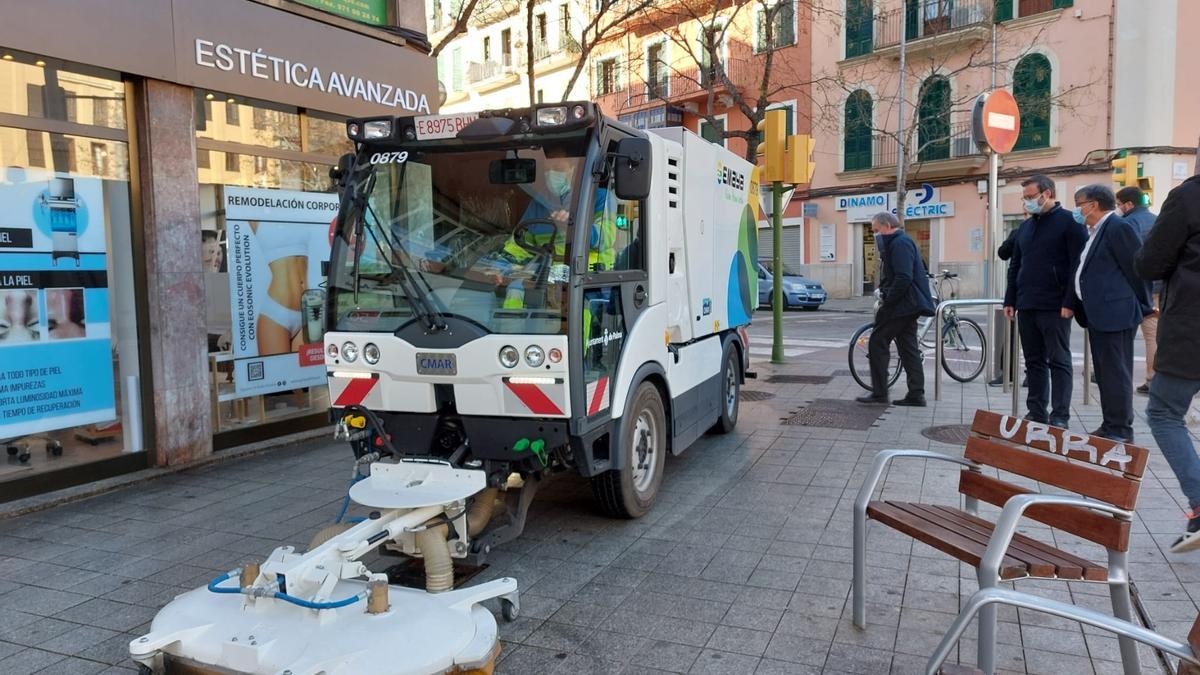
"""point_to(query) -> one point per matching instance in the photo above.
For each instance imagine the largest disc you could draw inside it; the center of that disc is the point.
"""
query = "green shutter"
(1031, 88)
(786, 17)
(912, 21)
(933, 120)
(1003, 10)
(859, 24)
(1062, 4)
(857, 140)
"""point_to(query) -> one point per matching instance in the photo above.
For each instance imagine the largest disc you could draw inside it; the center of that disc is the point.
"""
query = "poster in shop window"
(277, 240)
(56, 359)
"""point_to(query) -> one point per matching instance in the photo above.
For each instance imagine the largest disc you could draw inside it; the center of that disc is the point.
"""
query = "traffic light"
(1125, 171)
(772, 148)
(798, 165)
(1146, 185)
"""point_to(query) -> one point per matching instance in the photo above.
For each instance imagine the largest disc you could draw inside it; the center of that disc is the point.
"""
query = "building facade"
(681, 63)
(166, 205)
(487, 66)
(1087, 82)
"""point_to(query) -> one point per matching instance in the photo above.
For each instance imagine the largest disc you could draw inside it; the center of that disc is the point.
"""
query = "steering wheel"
(524, 238)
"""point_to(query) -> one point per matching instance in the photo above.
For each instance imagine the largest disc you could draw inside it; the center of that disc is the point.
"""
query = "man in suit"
(1129, 205)
(904, 284)
(1109, 300)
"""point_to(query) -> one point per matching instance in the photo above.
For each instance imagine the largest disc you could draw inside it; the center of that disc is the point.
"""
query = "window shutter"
(1061, 4)
(785, 33)
(1003, 10)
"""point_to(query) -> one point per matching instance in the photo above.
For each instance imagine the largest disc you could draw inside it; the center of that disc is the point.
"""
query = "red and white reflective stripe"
(355, 392)
(532, 396)
(598, 395)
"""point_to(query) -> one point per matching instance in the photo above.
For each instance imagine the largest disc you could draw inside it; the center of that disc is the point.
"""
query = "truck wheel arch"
(655, 374)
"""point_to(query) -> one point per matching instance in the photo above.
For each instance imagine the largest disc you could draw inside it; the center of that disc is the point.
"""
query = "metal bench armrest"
(1004, 596)
(885, 457)
(1010, 517)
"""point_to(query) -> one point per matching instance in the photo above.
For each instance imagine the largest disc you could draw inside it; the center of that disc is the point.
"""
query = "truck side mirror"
(632, 169)
(341, 170)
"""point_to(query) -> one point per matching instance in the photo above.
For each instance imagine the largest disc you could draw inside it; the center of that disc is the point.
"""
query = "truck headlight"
(349, 351)
(375, 129)
(331, 351)
(535, 356)
(371, 353)
(509, 356)
(551, 117)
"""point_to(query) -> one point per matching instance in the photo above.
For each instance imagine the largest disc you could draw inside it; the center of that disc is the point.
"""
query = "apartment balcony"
(548, 56)
(693, 84)
(488, 75)
(954, 155)
(931, 25)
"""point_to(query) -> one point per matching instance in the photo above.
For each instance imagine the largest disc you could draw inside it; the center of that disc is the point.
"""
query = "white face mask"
(1033, 206)
(558, 183)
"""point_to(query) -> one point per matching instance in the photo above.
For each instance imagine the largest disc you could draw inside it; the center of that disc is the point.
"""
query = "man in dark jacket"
(904, 285)
(1129, 205)
(1109, 301)
(1045, 251)
(1172, 254)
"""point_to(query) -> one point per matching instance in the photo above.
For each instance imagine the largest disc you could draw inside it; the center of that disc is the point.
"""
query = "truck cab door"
(614, 289)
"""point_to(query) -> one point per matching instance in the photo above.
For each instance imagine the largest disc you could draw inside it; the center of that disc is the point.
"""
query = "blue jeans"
(1170, 398)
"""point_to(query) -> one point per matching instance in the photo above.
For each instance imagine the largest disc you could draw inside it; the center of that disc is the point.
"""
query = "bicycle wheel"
(964, 350)
(860, 365)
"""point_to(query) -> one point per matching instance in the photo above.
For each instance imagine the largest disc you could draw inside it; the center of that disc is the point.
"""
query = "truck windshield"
(481, 234)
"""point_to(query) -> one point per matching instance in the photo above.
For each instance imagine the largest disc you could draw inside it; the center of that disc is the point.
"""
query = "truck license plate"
(429, 363)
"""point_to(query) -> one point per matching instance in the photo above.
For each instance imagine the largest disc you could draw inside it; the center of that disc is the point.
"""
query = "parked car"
(798, 291)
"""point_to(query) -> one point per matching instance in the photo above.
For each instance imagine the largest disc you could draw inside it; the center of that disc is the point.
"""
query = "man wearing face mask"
(1045, 250)
(904, 287)
(1109, 300)
(1129, 205)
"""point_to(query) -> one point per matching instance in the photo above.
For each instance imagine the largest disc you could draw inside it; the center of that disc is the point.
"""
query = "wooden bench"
(1104, 476)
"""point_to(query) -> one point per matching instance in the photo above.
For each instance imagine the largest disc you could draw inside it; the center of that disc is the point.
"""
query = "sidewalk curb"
(21, 507)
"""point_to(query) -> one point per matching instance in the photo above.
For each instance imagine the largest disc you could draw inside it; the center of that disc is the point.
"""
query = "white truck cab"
(536, 289)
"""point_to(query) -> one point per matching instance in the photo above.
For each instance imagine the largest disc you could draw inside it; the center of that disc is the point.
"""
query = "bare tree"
(461, 18)
(926, 133)
(752, 77)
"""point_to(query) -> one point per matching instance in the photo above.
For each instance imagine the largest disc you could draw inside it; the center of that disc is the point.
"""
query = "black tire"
(731, 390)
(964, 350)
(629, 492)
(509, 610)
(860, 368)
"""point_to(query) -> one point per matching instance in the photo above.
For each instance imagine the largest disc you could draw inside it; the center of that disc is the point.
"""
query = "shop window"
(933, 120)
(1031, 88)
(46, 88)
(283, 332)
(266, 125)
(68, 332)
(857, 149)
(327, 135)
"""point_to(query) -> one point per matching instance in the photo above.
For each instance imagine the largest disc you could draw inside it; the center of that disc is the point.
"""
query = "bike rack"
(938, 348)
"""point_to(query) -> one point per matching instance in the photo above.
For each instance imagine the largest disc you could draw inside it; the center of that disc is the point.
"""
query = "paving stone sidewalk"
(743, 566)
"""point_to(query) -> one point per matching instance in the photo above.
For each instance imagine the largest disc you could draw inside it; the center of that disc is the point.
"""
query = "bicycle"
(964, 345)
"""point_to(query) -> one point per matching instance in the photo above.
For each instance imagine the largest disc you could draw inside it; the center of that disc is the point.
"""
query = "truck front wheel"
(731, 389)
(629, 492)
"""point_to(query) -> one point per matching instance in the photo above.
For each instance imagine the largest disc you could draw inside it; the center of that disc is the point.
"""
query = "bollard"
(1087, 369)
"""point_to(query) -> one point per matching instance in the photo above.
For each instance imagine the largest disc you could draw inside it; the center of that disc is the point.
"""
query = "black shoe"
(872, 399)
(1061, 424)
(1104, 433)
(1143, 389)
(918, 402)
(1035, 418)
(996, 381)
(1190, 540)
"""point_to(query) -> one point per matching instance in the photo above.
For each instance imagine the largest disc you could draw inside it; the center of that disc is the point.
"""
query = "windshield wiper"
(419, 301)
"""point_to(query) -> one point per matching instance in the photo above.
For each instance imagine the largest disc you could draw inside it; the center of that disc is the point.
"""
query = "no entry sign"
(996, 121)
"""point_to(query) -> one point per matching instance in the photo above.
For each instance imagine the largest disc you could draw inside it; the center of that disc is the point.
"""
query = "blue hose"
(215, 587)
(346, 500)
(214, 584)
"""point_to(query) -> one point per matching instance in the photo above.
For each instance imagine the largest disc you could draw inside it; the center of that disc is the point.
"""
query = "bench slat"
(1044, 468)
(1040, 565)
(1067, 566)
(1098, 451)
(1095, 527)
(943, 539)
